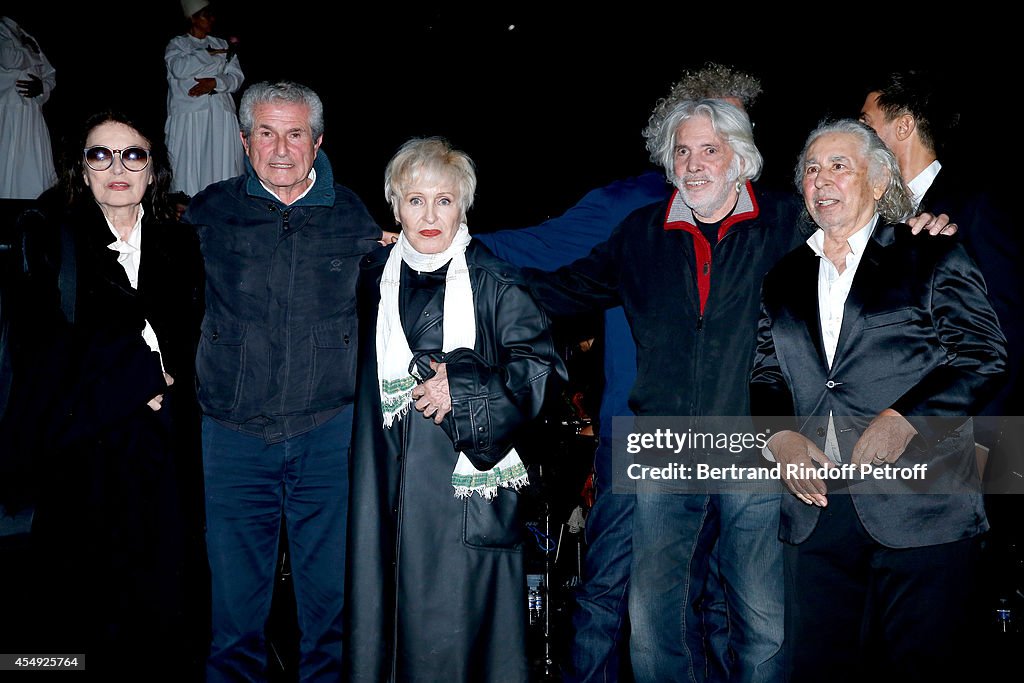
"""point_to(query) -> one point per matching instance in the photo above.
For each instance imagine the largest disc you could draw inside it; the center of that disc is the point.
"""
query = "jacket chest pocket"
(331, 366)
(220, 364)
(895, 339)
(887, 318)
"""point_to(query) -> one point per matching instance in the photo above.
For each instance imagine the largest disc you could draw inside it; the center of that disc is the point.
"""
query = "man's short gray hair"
(266, 92)
(731, 124)
(895, 205)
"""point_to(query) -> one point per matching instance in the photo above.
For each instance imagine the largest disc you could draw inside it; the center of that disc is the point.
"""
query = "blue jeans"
(600, 619)
(249, 485)
(715, 622)
(673, 536)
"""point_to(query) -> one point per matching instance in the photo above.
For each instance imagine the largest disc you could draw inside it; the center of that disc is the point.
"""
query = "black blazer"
(104, 369)
(992, 239)
(920, 336)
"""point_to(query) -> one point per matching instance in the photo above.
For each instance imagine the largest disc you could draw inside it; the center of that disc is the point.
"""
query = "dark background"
(549, 101)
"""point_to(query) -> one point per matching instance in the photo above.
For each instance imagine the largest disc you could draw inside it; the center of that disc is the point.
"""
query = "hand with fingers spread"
(884, 440)
(203, 86)
(31, 87)
(793, 448)
(934, 225)
(433, 398)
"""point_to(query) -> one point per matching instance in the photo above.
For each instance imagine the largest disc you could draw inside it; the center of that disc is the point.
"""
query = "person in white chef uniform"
(202, 121)
(26, 80)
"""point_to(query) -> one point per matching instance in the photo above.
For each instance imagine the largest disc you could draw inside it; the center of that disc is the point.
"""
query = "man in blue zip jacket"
(276, 380)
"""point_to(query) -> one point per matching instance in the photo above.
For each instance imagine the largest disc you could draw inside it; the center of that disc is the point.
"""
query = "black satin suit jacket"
(919, 335)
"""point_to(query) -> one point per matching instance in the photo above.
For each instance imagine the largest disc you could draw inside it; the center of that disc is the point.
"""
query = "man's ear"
(878, 188)
(906, 124)
(245, 142)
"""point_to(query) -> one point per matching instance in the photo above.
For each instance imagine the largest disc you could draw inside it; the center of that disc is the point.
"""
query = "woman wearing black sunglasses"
(116, 287)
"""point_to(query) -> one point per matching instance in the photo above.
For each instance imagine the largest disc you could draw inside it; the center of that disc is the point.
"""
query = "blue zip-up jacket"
(279, 334)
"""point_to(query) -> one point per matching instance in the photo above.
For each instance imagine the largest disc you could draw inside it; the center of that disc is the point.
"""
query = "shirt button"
(831, 384)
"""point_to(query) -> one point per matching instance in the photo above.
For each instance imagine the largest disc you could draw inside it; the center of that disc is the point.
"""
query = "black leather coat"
(436, 584)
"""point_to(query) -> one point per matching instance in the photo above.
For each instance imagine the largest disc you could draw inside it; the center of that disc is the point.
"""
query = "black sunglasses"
(101, 158)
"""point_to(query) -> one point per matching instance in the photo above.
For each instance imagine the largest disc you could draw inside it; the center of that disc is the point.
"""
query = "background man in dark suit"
(873, 335)
(913, 117)
(916, 119)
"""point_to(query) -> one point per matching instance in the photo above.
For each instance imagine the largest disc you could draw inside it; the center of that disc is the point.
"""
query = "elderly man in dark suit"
(885, 344)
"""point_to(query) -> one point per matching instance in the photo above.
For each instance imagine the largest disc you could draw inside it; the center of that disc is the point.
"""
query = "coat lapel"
(865, 282)
(423, 324)
(97, 237)
(805, 304)
(156, 261)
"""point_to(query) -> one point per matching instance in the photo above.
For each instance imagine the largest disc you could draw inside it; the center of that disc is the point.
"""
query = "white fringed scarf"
(459, 331)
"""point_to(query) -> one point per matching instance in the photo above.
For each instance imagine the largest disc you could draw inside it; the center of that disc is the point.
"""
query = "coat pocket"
(220, 363)
(887, 318)
(331, 368)
(493, 524)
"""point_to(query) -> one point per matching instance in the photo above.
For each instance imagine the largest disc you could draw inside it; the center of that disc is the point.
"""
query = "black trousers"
(856, 608)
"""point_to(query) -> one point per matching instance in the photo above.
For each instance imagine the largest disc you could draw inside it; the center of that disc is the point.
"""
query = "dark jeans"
(857, 610)
(600, 620)
(249, 485)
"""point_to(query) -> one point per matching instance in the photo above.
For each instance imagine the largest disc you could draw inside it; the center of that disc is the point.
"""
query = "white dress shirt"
(129, 255)
(311, 176)
(833, 289)
(922, 181)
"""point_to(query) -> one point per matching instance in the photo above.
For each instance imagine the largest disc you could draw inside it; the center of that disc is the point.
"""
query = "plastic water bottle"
(1004, 617)
(540, 603)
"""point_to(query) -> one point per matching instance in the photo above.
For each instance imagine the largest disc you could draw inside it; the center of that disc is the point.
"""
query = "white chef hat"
(190, 7)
